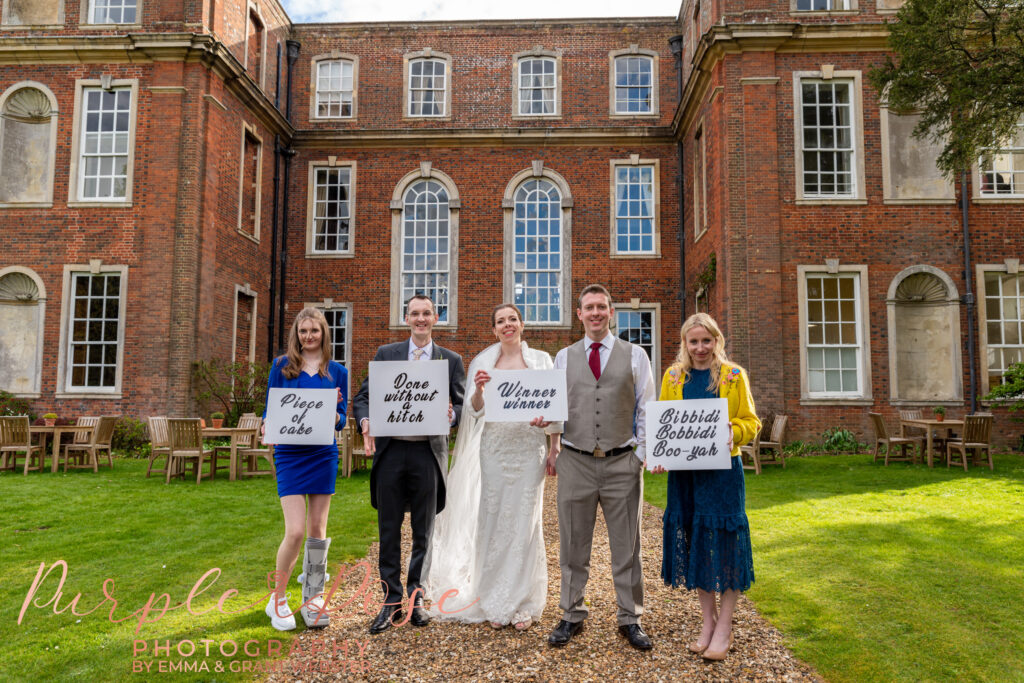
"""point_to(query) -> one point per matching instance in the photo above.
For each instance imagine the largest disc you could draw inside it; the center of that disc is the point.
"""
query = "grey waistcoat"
(600, 411)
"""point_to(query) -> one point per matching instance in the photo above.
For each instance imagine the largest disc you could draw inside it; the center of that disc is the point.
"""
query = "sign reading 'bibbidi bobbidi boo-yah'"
(688, 435)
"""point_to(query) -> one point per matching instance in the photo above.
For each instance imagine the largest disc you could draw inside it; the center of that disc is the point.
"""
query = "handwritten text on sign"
(301, 416)
(521, 395)
(688, 435)
(409, 398)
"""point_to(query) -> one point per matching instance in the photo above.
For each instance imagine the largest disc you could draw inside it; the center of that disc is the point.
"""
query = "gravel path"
(446, 651)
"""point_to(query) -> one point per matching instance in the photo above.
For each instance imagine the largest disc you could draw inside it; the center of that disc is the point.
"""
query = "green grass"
(895, 573)
(149, 538)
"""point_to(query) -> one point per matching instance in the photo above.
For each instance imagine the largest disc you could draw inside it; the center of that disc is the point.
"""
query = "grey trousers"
(617, 484)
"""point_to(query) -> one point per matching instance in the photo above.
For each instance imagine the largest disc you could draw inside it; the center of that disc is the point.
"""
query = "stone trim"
(74, 179)
(249, 129)
(634, 50)
(46, 202)
(314, 65)
(537, 53)
(248, 291)
(330, 162)
(449, 86)
(635, 160)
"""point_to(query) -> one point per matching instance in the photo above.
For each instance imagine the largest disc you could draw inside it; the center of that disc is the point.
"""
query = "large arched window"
(28, 129)
(425, 216)
(22, 311)
(537, 218)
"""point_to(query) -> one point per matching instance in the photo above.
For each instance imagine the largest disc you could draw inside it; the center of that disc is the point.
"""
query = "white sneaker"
(281, 616)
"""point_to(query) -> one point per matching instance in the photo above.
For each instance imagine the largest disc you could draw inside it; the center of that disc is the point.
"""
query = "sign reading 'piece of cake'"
(409, 398)
(688, 435)
(301, 416)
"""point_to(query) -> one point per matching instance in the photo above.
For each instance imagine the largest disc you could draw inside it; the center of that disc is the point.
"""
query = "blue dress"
(304, 470)
(707, 535)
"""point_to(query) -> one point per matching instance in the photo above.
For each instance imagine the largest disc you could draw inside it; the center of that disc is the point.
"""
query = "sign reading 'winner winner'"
(408, 398)
(521, 395)
(688, 435)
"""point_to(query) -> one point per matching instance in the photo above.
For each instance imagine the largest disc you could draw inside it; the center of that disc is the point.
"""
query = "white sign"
(521, 395)
(408, 398)
(688, 435)
(301, 416)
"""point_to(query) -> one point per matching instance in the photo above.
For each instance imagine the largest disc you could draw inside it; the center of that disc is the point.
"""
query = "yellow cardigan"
(732, 385)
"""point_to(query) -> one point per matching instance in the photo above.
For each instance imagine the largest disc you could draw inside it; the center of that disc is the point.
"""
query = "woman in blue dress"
(707, 536)
(305, 474)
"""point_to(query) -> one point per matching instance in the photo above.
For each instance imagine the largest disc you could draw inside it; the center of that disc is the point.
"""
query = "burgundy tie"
(595, 359)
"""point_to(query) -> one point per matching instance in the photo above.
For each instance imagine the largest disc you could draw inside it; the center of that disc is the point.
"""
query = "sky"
(303, 11)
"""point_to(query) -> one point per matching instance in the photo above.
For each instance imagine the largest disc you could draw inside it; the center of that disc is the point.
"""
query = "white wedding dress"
(488, 542)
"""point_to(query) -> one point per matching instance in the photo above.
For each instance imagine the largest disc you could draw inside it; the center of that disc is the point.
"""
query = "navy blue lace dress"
(707, 536)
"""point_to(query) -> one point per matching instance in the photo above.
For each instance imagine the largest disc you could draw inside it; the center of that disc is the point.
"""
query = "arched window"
(426, 244)
(28, 126)
(924, 336)
(537, 251)
(22, 311)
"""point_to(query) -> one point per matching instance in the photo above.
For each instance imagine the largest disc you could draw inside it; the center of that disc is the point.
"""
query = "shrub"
(839, 440)
(798, 448)
(239, 387)
(1011, 392)
(12, 405)
(130, 437)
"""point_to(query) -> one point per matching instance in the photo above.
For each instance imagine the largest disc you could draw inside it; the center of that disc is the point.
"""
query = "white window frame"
(538, 170)
(636, 162)
(826, 75)
(334, 57)
(1008, 267)
(46, 202)
(330, 163)
(88, 15)
(76, 180)
(247, 291)
(637, 306)
(326, 306)
(397, 307)
(633, 51)
(407, 102)
(250, 130)
(863, 395)
(834, 7)
(554, 56)
(700, 182)
(1016, 147)
(64, 386)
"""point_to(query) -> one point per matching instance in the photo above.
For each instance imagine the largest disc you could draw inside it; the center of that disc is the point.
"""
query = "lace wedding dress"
(488, 542)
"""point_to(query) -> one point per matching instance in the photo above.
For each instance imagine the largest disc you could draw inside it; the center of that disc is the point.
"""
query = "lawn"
(149, 538)
(895, 573)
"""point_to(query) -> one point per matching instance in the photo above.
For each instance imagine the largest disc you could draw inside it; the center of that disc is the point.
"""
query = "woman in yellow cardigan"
(707, 536)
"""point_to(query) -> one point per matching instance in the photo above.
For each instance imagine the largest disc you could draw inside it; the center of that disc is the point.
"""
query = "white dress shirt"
(428, 350)
(643, 385)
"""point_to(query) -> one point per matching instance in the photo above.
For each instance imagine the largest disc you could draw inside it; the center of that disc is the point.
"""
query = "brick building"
(178, 179)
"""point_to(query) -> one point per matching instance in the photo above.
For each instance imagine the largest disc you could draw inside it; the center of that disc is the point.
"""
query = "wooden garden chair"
(911, 430)
(159, 444)
(186, 447)
(15, 439)
(80, 438)
(977, 438)
(99, 442)
(749, 454)
(769, 452)
(882, 438)
(359, 456)
(252, 455)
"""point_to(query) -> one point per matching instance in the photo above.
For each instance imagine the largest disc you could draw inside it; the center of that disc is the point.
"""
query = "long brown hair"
(494, 312)
(294, 353)
(684, 362)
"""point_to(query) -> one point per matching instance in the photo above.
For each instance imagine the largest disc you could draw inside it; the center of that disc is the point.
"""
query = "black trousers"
(406, 480)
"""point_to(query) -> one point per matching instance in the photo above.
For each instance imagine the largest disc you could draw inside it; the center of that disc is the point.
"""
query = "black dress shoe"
(636, 636)
(564, 632)
(419, 616)
(385, 618)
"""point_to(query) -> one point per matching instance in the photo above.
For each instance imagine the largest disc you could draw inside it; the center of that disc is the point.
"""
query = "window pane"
(94, 330)
(537, 256)
(832, 346)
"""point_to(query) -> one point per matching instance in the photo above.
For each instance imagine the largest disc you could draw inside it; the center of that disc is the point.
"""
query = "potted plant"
(50, 419)
(217, 419)
(940, 413)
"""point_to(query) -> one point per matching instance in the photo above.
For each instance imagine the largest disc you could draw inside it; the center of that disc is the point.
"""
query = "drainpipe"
(293, 54)
(676, 45)
(273, 248)
(968, 297)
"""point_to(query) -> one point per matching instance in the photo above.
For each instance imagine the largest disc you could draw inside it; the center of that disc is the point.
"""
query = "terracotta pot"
(50, 421)
(939, 417)
(217, 422)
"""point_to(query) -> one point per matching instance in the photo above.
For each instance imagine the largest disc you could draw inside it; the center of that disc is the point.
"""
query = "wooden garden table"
(931, 425)
(238, 436)
(55, 432)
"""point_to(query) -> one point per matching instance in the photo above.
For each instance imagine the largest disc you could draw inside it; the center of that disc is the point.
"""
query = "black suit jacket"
(438, 444)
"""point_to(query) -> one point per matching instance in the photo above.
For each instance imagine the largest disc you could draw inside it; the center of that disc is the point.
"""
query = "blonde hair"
(718, 358)
(294, 353)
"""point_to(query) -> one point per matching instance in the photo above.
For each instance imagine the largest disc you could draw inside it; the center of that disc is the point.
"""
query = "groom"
(609, 384)
(409, 472)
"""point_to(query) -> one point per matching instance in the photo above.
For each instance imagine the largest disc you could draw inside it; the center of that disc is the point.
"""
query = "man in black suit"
(408, 473)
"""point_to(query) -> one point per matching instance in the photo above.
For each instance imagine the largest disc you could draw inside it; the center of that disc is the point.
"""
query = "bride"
(488, 543)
